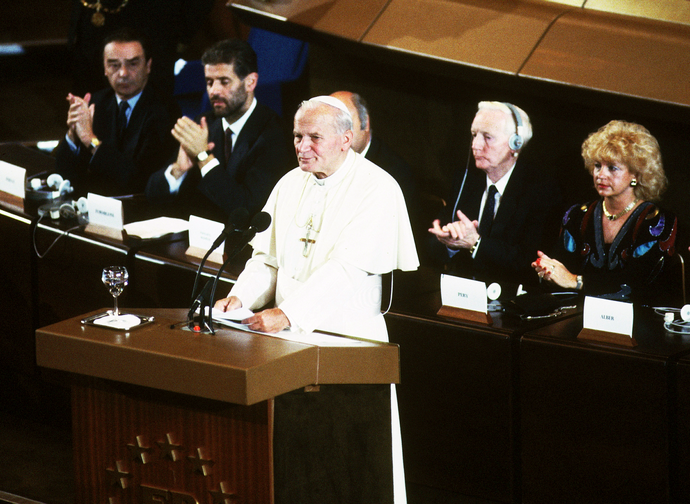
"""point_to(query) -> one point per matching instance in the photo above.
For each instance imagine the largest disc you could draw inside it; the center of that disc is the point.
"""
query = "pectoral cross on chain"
(306, 239)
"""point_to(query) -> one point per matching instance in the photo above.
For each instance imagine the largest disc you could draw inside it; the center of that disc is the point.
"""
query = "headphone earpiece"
(83, 205)
(73, 209)
(515, 142)
(54, 181)
(65, 187)
(685, 313)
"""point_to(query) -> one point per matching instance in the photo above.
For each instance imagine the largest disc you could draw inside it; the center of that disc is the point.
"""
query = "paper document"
(155, 228)
(233, 319)
(124, 322)
(237, 315)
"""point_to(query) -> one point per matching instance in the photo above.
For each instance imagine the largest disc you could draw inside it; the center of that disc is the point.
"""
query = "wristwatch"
(202, 156)
(580, 283)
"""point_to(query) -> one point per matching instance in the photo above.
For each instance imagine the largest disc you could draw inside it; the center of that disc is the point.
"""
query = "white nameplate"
(608, 316)
(12, 179)
(463, 293)
(203, 232)
(106, 212)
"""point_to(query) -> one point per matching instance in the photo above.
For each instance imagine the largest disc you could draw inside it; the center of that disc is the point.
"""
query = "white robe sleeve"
(256, 285)
(328, 288)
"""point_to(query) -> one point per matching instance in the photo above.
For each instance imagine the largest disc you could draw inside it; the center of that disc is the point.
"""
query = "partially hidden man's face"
(229, 95)
(360, 132)
(490, 134)
(126, 68)
(320, 149)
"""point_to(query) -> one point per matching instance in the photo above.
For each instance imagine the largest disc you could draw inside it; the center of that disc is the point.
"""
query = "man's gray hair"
(525, 131)
(342, 119)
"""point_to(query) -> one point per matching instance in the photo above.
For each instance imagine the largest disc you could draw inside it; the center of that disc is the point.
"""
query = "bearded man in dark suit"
(232, 156)
(118, 137)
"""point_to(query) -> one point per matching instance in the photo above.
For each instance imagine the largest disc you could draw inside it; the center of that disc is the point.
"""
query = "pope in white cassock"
(338, 223)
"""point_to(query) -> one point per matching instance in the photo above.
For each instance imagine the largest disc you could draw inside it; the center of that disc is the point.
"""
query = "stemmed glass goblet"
(115, 279)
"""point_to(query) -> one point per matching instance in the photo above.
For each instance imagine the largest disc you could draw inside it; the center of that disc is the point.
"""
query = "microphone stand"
(247, 235)
(204, 301)
(201, 323)
(237, 218)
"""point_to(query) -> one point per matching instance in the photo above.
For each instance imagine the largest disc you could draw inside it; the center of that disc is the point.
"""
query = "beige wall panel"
(286, 9)
(344, 18)
(675, 11)
(489, 34)
(572, 3)
(350, 18)
(625, 55)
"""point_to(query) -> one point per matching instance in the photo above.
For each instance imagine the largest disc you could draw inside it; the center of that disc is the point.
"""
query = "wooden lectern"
(164, 415)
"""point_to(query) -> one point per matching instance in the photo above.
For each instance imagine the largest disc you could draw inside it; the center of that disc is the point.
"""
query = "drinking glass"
(115, 278)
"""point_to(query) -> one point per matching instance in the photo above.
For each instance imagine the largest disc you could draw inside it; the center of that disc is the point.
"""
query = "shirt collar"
(366, 149)
(237, 126)
(131, 101)
(502, 182)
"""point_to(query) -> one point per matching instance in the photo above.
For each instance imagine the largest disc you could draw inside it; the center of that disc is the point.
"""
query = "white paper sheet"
(155, 228)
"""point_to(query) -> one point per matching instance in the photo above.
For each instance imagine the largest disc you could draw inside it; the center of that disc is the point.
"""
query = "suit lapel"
(244, 142)
(105, 121)
(217, 136)
(472, 192)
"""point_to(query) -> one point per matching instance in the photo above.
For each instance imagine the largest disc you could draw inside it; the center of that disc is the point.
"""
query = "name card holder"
(215, 257)
(12, 186)
(607, 338)
(11, 201)
(106, 232)
(450, 312)
(602, 314)
(202, 234)
(106, 217)
(464, 299)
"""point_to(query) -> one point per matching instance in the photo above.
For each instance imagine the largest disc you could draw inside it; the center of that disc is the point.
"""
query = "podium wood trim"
(607, 338)
(467, 315)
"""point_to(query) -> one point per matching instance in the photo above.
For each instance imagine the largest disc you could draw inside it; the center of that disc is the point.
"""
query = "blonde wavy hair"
(631, 144)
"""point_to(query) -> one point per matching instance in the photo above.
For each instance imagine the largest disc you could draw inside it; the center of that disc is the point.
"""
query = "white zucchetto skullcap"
(333, 102)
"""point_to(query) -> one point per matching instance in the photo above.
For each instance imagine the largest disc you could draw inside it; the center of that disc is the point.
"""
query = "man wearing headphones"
(505, 211)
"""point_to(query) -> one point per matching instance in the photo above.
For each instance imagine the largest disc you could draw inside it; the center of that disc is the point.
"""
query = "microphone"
(259, 223)
(238, 220)
(236, 223)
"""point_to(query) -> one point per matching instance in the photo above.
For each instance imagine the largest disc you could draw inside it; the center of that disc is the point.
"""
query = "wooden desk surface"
(232, 366)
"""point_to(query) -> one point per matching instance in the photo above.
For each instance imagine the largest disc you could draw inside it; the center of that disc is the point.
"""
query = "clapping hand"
(553, 271)
(461, 234)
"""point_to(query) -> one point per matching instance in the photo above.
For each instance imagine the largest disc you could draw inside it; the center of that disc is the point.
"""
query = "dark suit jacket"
(121, 169)
(260, 157)
(381, 155)
(527, 220)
